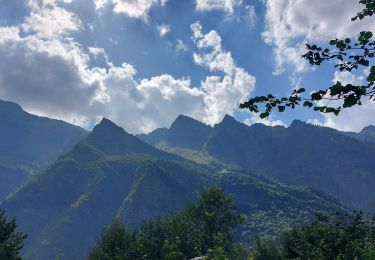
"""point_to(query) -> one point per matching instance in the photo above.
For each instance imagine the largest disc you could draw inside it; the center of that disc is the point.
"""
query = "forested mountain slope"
(113, 174)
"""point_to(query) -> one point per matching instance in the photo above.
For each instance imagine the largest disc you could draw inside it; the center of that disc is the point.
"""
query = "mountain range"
(322, 158)
(111, 173)
(81, 180)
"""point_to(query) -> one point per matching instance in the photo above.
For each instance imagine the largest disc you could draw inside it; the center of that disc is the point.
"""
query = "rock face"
(111, 174)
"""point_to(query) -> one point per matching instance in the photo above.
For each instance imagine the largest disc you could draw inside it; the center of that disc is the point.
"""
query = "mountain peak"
(9, 107)
(183, 121)
(368, 128)
(107, 126)
(297, 123)
(184, 132)
(106, 122)
(112, 139)
(108, 132)
(229, 120)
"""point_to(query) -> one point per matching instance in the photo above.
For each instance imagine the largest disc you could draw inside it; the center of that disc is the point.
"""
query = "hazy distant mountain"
(29, 143)
(302, 154)
(366, 135)
(112, 173)
(184, 132)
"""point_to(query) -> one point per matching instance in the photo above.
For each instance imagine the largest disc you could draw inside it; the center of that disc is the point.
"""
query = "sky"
(141, 63)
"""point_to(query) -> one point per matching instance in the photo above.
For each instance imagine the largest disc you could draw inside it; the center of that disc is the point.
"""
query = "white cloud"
(251, 14)
(224, 5)
(97, 51)
(352, 119)
(346, 77)
(181, 46)
(100, 3)
(9, 34)
(290, 24)
(225, 92)
(164, 29)
(255, 119)
(132, 8)
(49, 21)
(223, 95)
(215, 59)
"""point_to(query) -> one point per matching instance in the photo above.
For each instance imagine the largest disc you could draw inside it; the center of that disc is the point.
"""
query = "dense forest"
(206, 228)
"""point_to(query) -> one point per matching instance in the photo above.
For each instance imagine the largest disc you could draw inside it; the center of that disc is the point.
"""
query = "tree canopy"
(347, 55)
(339, 236)
(203, 228)
(11, 241)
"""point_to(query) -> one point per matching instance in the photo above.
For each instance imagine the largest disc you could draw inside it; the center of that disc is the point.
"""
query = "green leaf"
(368, 35)
(316, 96)
(371, 76)
(333, 42)
(364, 62)
(350, 101)
(308, 104)
(281, 108)
(264, 115)
(330, 110)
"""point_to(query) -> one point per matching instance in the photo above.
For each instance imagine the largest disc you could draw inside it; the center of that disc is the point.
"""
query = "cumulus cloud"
(9, 34)
(255, 119)
(52, 85)
(225, 92)
(49, 73)
(164, 29)
(224, 5)
(49, 21)
(40, 70)
(132, 8)
(290, 24)
(215, 59)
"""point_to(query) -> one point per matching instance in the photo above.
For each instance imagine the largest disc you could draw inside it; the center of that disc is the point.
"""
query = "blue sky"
(141, 63)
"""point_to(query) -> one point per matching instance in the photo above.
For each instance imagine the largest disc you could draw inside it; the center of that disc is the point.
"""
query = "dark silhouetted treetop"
(11, 241)
(348, 55)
